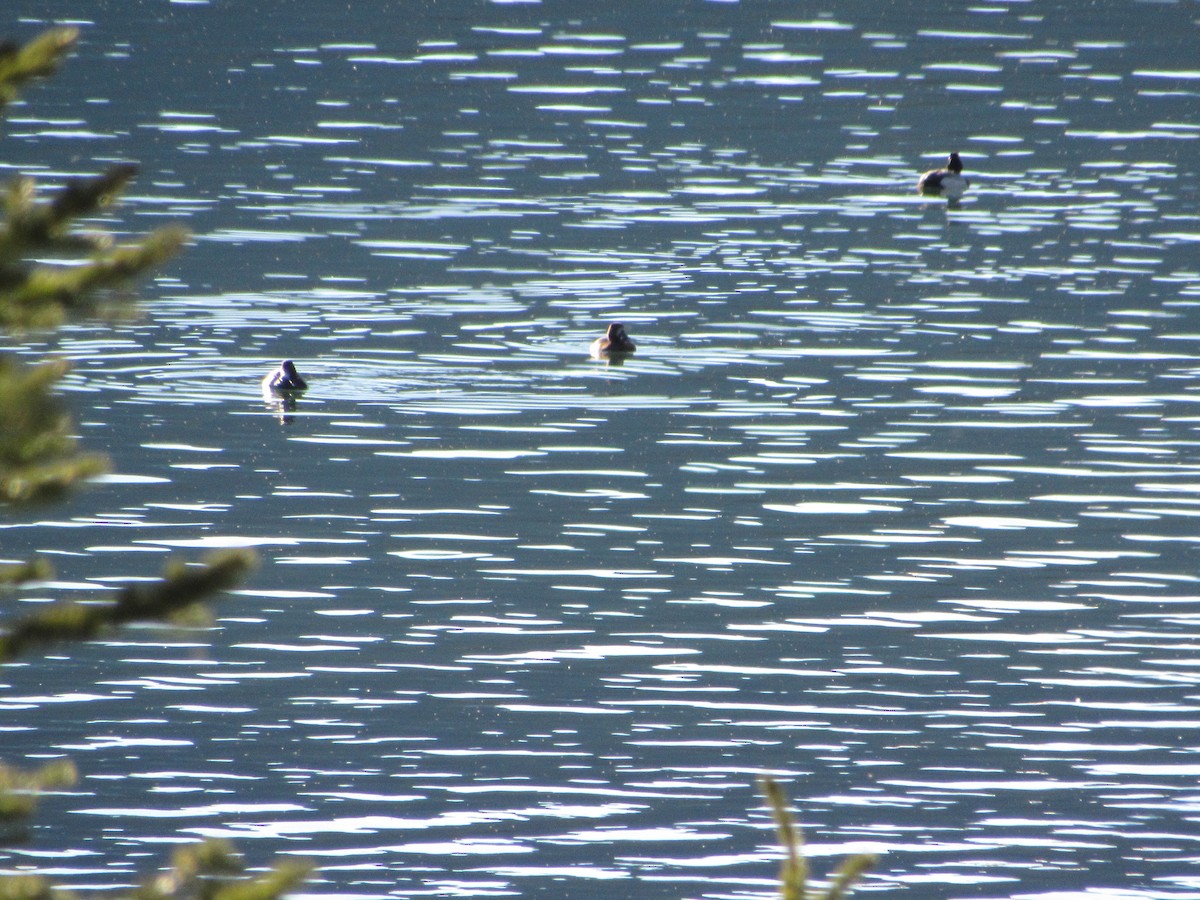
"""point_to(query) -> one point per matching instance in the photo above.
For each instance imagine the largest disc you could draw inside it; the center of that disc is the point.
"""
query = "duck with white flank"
(947, 182)
(614, 343)
(284, 380)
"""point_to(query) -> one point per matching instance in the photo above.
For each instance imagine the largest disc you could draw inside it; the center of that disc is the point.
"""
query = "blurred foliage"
(36, 295)
(794, 871)
(39, 460)
(36, 59)
(210, 870)
(51, 272)
(181, 588)
(19, 789)
(13, 574)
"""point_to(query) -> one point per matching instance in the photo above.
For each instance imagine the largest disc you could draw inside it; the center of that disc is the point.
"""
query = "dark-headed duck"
(615, 341)
(947, 182)
(284, 380)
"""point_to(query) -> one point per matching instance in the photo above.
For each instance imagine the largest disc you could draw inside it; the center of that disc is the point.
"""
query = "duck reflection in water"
(614, 346)
(948, 182)
(280, 388)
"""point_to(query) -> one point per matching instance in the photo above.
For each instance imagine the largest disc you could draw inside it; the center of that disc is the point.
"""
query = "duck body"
(284, 380)
(614, 342)
(947, 182)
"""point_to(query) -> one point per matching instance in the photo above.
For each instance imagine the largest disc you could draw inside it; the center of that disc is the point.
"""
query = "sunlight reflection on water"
(895, 499)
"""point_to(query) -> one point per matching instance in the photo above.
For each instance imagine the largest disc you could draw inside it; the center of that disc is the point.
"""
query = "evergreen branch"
(38, 459)
(277, 881)
(31, 226)
(19, 788)
(37, 59)
(213, 870)
(182, 586)
(794, 871)
(36, 569)
(49, 482)
(30, 887)
(210, 870)
(44, 296)
(848, 874)
(84, 196)
(47, 295)
(117, 267)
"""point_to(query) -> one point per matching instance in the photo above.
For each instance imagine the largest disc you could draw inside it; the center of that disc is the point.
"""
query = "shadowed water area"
(898, 499)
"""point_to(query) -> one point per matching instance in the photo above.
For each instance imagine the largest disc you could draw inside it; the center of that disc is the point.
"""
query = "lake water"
(898, 500)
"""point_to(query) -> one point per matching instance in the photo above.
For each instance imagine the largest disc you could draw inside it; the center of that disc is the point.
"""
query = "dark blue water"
(896, 500)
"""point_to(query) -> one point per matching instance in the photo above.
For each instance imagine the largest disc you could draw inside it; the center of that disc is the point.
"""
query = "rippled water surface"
(898, 499)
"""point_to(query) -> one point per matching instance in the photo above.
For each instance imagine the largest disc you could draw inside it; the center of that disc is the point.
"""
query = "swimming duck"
(615, 341)
(284, 380)
(947, 182)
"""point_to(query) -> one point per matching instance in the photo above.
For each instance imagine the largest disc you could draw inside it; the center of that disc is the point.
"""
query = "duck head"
(617, 339)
